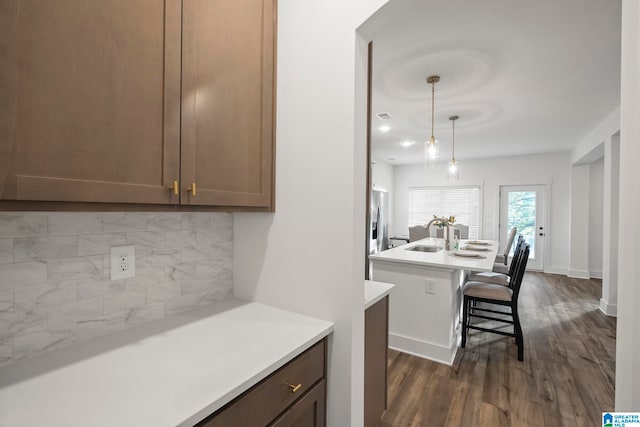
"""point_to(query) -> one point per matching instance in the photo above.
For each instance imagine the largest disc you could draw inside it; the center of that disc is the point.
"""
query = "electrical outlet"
(123, 262)
(429, 287)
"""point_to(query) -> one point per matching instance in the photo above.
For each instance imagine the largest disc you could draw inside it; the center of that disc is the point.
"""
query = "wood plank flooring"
(566, 379)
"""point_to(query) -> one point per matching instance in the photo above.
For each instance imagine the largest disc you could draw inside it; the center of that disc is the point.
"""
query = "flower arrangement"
(442, 221)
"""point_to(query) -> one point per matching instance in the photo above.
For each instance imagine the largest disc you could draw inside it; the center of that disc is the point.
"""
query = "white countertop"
(375, 291)
(171, 372)
(442, 258)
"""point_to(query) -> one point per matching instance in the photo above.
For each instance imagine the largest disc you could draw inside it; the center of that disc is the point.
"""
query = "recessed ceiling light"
(407, 143)
(391, 159)
(385, 128)
(384, 116)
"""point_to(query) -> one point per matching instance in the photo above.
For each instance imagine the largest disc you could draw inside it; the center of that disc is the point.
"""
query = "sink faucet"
(445, 222)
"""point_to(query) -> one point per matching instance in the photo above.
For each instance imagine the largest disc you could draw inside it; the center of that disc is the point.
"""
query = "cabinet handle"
(192, 189)
(174, 187)
(294, 388)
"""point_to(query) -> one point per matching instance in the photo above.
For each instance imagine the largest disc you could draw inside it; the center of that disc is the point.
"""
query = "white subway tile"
(164, 221)
(6, 351)
(6, 251)
(22, 224)
(74, 223)
(75, 312)
(43, 296)
(118, 222)
(99, 244)
(21, 322)
(78, 268)
(161, 292)
(124, 301)
(38, 342)
(22, 274)
(6, 301)
(145, 313)
(180, 304)
(89, 329)
(90, 288)
(146, 241)
(44, 248)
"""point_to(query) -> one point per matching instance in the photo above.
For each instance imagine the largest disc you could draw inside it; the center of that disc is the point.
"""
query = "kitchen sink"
(425, 248)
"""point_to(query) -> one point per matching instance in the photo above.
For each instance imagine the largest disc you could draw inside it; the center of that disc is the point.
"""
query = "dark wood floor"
(566, 379)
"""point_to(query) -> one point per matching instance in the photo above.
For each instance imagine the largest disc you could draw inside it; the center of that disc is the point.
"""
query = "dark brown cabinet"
(113, 101)
(294, 395)
(376, 342)
(308, 411)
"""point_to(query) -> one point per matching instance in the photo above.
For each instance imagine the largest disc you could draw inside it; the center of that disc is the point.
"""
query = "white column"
(579, 249)
(628, 334)
(609, 300)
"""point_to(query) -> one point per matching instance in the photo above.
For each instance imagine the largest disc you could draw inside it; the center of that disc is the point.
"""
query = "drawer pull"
(294, 388)
(174, 188)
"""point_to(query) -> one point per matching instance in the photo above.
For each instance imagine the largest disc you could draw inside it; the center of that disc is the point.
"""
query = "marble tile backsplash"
(54, 273)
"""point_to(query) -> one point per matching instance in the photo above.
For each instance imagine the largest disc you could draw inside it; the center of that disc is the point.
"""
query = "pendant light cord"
(453, 145)
(433, 94)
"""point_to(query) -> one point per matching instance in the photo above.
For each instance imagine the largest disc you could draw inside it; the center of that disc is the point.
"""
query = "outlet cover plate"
(123, 262)
(429, 286)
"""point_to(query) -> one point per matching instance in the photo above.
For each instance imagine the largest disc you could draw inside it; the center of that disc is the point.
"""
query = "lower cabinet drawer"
(264, 402)
(308, 411)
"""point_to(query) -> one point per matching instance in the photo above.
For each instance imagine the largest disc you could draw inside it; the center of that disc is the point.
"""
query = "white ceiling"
(524, 76)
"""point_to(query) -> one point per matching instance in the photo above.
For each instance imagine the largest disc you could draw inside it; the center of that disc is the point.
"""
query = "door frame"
(548, 226)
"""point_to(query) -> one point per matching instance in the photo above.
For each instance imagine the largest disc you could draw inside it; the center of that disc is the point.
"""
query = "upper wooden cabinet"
(228, 80)
(97, 93)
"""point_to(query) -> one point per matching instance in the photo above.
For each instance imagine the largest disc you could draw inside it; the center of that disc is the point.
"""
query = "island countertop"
(166, 373)
(442, 258)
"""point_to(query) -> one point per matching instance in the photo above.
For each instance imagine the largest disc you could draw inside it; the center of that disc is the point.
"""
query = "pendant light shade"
(453, 165)
(431, 147)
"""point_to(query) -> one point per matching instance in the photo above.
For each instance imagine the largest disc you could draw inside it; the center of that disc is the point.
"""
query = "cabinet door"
(89, 110)
(228, 79)
(376, 332)
(308, 411)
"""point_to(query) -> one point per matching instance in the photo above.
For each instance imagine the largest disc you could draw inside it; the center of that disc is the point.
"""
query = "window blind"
(463, 202)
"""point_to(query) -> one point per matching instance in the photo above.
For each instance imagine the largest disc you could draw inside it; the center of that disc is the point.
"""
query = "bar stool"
(490, 293)
(501, 278)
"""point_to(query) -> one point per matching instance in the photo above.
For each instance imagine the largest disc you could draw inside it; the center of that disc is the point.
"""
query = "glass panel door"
(523, 207)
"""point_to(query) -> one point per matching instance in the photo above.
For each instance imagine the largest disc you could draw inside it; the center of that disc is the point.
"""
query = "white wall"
(610, 226)
(309, 255)
(382, 174)
(590, 149)
(579, 222)
(628, 334)
(596, 211)
(550, 169)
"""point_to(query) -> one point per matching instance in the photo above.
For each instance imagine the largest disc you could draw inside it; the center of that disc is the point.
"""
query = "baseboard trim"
(423, 349)
(578, 274)
(595, 274)
(608, 309)
(556, 270)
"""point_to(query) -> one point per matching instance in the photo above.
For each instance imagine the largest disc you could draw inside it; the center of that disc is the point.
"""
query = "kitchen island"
(424, 309)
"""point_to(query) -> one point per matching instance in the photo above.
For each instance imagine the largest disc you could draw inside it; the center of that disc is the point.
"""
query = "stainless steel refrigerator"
(379, 222)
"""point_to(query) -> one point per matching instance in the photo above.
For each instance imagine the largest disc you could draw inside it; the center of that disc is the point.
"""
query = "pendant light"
(431, 149)
(453, 165)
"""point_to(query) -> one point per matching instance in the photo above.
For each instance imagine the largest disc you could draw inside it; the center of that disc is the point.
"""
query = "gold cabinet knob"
(175, 188)
(294, 388)
(192, 190)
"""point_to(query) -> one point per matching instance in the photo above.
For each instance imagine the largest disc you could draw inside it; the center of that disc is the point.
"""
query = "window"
(462, 202)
